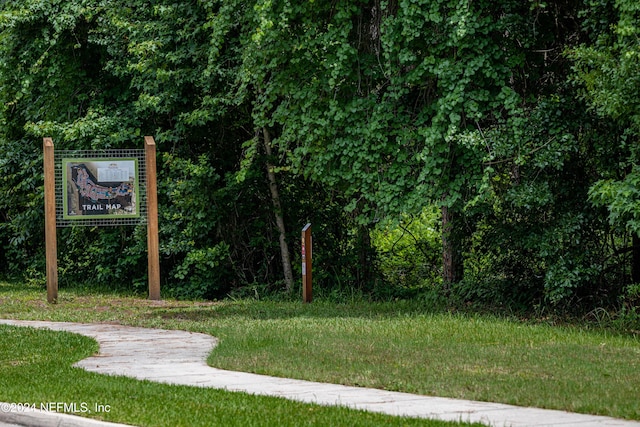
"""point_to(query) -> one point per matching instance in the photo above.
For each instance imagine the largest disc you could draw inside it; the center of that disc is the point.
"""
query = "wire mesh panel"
(79, 177)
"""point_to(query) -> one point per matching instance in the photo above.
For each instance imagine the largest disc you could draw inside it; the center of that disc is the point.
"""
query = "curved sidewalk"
(179, 357)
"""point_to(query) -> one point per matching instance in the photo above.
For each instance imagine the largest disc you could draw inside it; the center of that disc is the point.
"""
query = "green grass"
(396, 346)
(35, 369)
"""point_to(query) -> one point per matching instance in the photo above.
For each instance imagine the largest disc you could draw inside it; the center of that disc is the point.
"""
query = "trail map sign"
(100, 188)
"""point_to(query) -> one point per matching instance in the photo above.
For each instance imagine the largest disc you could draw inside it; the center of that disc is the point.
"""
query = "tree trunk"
(451, 258)
(635, 260)
(365, 255)
(277, 207)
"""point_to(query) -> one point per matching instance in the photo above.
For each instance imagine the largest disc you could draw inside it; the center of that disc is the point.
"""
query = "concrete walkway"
(179, 357)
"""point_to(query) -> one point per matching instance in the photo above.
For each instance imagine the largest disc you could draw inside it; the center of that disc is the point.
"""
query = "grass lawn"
(395, 346)
(35, 369)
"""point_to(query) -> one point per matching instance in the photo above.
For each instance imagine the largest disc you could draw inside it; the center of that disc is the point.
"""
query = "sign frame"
(144, 175)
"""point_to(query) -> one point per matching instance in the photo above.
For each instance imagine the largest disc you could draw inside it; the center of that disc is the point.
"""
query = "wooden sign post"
(153, 249)
(307, 252)
(50, 221)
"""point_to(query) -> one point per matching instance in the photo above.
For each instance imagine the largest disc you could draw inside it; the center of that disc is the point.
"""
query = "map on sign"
(100, 188)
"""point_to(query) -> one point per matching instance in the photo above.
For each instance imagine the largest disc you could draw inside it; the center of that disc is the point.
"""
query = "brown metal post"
(153, 249)
(307, 252)
(51, 247)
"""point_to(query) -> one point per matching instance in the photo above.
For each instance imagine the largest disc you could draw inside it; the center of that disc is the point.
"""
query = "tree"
(101, 75)
(277, 207)
(609, 69)
(343, 113)
(379, 99)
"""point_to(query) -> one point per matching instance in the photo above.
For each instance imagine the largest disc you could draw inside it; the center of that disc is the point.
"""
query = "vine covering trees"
(517, 120)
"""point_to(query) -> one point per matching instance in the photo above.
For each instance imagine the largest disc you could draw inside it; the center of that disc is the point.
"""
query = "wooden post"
(307, 252)
(153, 249)
(51, 247)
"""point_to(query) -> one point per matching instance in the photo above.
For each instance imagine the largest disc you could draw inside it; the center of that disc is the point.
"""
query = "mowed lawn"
(36, 371)
(399, 346)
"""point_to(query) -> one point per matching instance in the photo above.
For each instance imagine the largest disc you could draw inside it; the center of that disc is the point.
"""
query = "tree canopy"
(517, 122)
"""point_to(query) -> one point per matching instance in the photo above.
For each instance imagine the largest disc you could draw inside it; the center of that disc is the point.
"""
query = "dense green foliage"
(518, 121)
